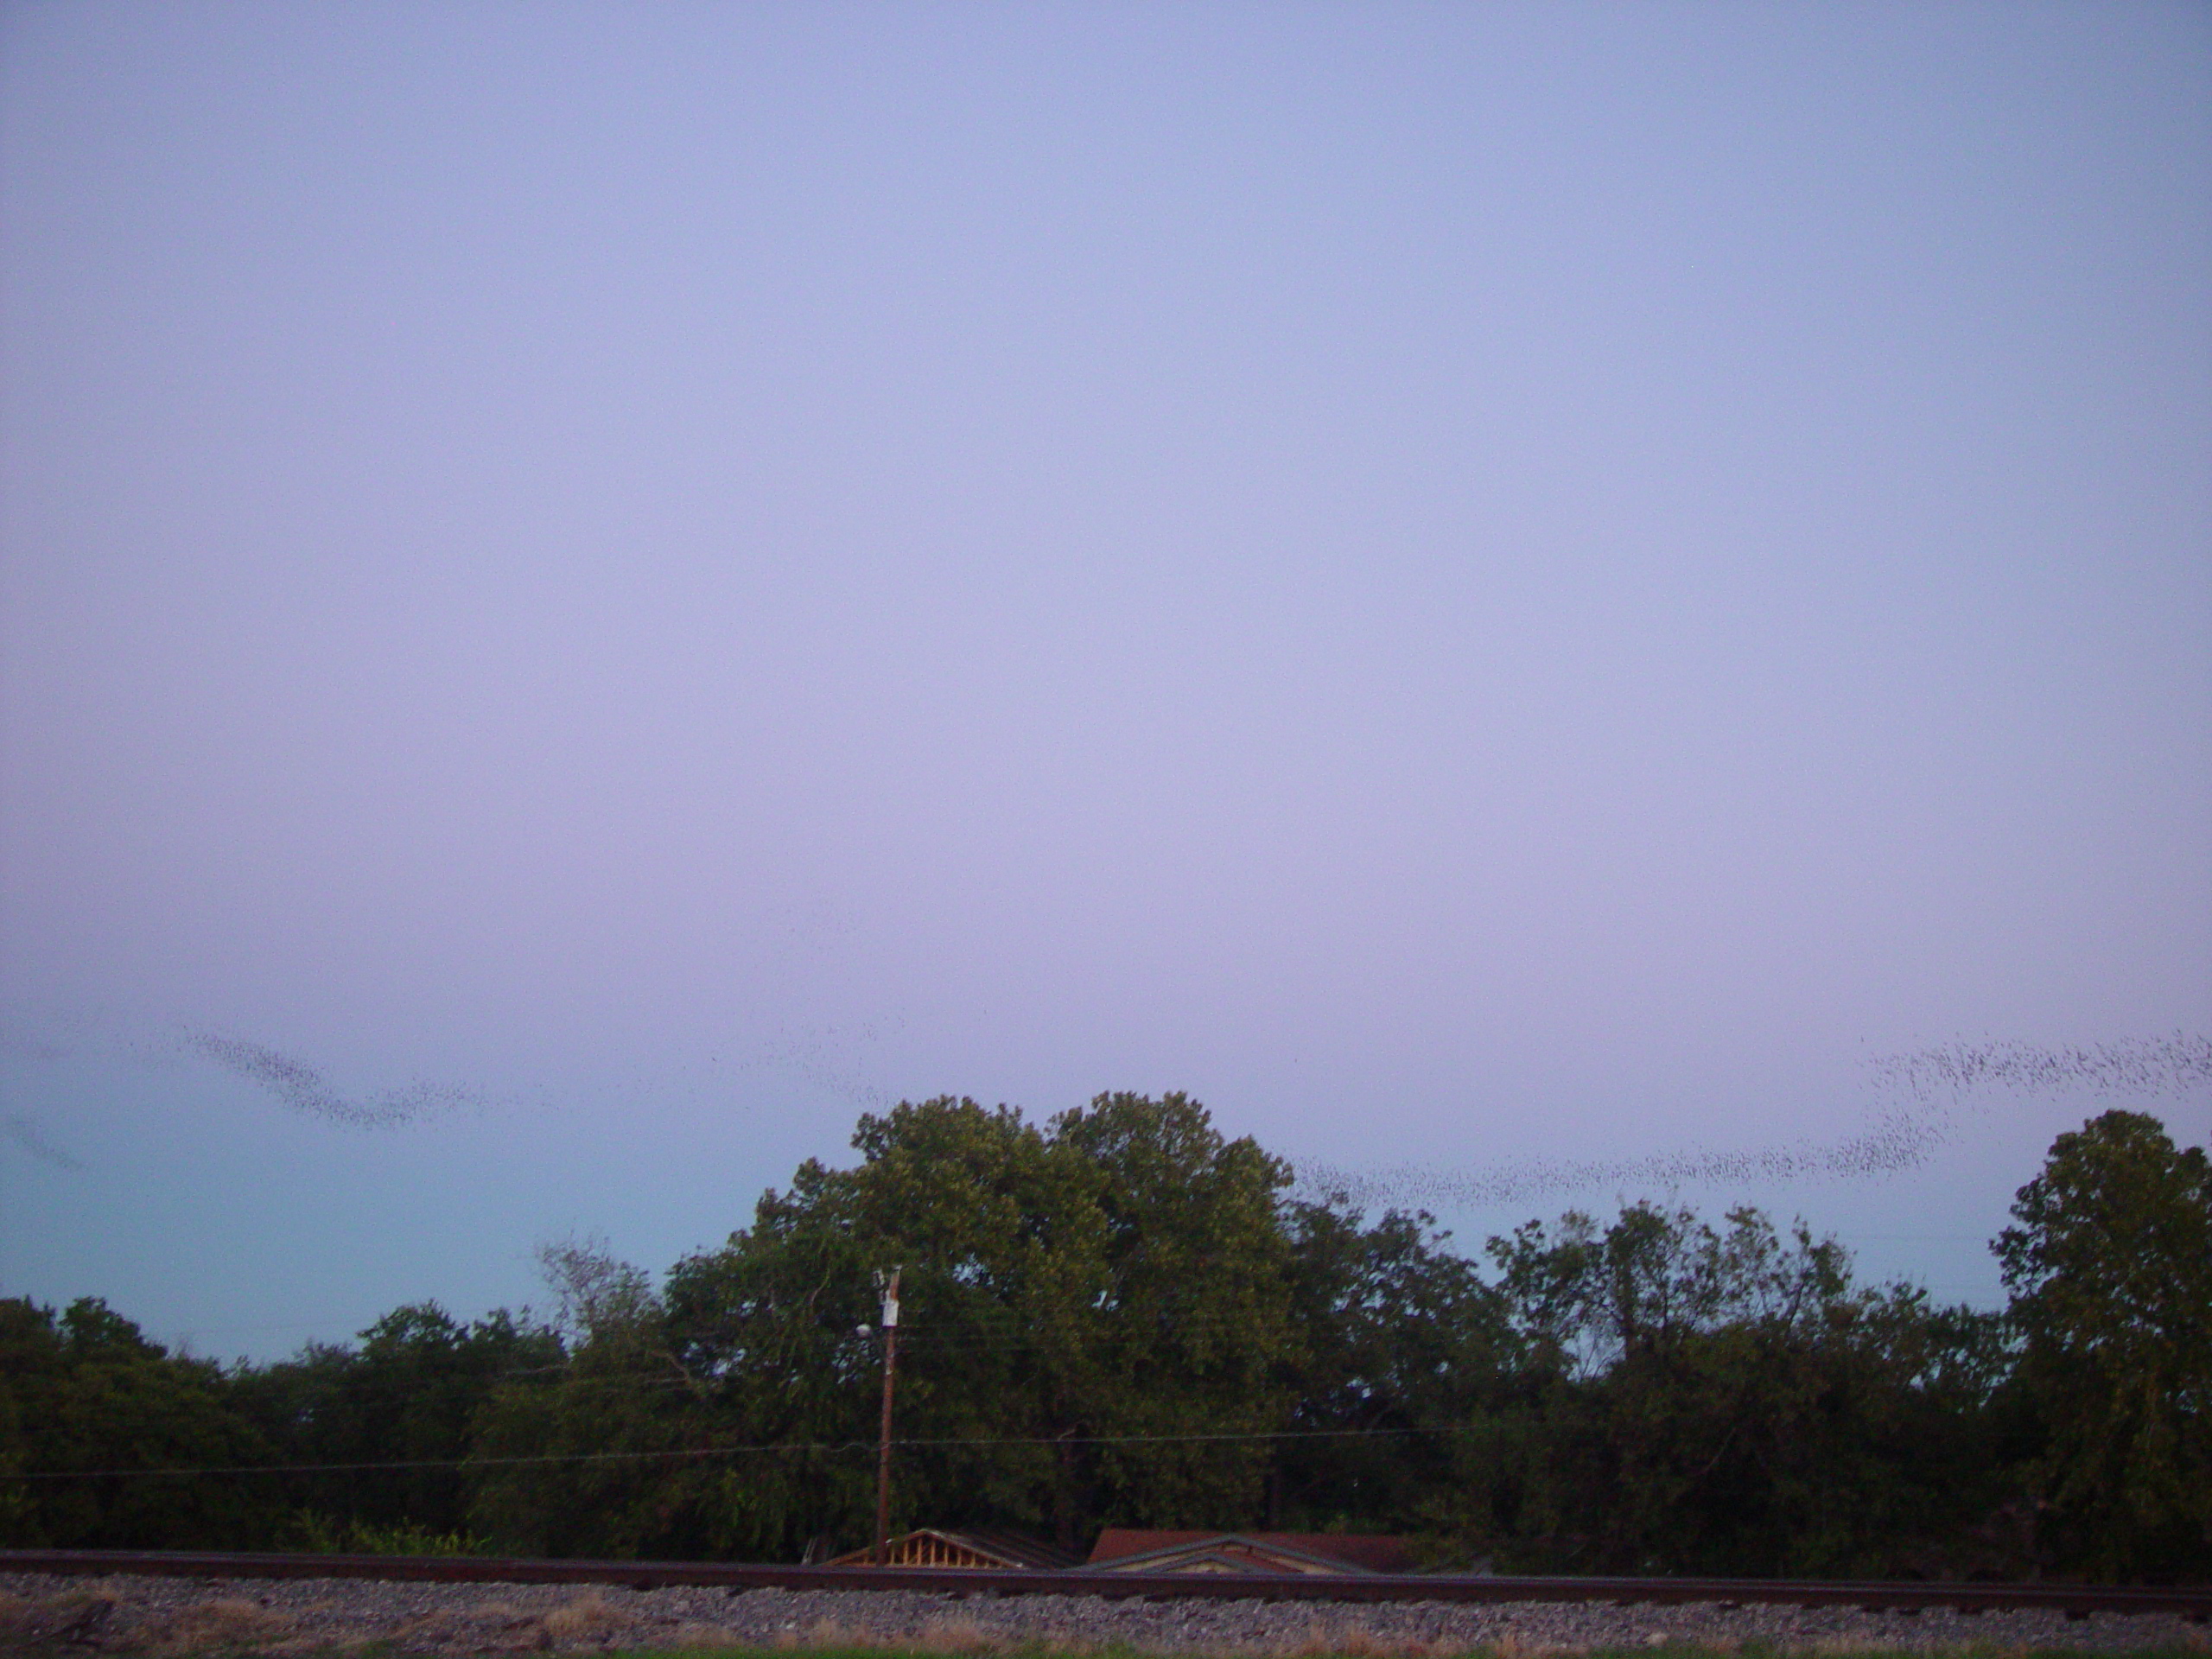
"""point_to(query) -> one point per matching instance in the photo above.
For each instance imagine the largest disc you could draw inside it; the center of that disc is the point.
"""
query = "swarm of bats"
(1934, 1080)
(1927, 1085)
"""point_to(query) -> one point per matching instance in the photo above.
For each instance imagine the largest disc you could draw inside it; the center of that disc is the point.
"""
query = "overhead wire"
(831, 1448)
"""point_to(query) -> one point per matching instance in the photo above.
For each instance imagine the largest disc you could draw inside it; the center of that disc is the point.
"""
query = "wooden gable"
(967, 1551)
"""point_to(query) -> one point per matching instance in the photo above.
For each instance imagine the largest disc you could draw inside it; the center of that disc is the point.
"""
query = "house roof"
(981, 1551)
(1128, 1550)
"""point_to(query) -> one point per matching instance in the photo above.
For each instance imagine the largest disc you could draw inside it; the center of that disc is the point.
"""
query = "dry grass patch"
(1358, 1641)
(825, 1633)
(587, 1618)
(1514, 1645)
(230, 1623)
(492, 1627)
(706, 1638)
(958, 1633)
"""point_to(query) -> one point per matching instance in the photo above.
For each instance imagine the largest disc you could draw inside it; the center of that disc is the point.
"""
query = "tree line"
(1122, 1317)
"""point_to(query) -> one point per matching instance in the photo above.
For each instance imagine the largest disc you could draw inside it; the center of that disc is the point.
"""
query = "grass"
(1355, 1650)
(212, 1641)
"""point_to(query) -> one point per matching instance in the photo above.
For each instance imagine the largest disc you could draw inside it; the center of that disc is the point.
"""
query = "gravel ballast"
(176, 1615)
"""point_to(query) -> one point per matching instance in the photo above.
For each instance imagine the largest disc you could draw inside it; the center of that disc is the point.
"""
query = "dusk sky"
(1539, 604)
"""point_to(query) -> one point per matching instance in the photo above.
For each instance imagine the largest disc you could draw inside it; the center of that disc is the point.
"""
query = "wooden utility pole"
(888, 1284)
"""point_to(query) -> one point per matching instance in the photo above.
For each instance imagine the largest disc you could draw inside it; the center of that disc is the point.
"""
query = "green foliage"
(85, 1395)
(1403, 1347)
(598, 1455)
(1728, 1402)
(1118, 1317)
(325, 1534)
(2110, 1270)
(1118, 1274)
(409, 1394)
(1359, 1642)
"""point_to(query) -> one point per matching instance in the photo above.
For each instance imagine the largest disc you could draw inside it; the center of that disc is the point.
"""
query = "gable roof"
(1129, 1549)
(982, 1551)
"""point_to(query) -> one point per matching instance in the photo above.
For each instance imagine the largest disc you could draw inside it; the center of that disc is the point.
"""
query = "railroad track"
(2075, 1600)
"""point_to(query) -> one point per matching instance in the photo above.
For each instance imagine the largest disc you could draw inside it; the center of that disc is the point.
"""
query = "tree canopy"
(2110, 1268)
(1121, 1316)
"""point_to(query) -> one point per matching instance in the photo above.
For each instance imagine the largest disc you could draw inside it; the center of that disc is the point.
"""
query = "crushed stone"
(161, 1615)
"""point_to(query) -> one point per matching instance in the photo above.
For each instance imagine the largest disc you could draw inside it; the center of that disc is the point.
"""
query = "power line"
(833, 1447)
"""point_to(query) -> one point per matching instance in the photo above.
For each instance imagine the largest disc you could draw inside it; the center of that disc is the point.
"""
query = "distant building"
(980, 1551)
(1126, 1549)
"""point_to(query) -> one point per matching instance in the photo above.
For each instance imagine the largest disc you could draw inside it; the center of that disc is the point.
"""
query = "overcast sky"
(591, 592)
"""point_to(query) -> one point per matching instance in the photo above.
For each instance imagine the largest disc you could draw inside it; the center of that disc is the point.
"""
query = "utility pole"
(888, 1284)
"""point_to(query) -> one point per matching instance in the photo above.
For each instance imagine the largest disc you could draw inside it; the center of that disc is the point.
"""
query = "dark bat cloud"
(1937, 1081)
(831, 1057)
(304, 1089)
(1894, 1143)
(25, 1134)
(2140, 1066)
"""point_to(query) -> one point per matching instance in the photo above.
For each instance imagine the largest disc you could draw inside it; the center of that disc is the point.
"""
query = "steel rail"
(2075, 1600)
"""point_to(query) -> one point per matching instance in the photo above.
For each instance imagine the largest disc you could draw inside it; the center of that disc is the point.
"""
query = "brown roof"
(935, 1546)
(1362, 1552)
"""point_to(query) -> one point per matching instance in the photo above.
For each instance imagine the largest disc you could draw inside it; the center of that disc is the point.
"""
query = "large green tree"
(1728, 1399)
(2110, 1270)
(408, 1395)
(1402, 1346)
(95, 1416)
(599, 1454)
(1097, 1327)
(1118, 1315)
